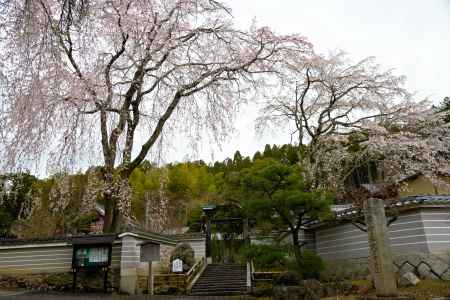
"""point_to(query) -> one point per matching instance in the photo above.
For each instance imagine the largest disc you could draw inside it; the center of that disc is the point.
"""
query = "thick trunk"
(110, 222)
(116, 204)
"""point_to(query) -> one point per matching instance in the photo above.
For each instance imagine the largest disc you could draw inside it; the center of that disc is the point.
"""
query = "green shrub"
(264, 256)
(344, 270)
(288, 279)
(309, 266)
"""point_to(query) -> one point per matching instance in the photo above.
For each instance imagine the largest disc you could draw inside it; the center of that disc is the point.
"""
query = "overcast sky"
(411, 36)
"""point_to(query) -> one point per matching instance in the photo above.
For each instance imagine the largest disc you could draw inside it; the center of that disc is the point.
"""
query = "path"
(40, 296)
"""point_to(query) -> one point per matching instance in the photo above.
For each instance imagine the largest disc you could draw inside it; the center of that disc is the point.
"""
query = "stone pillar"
(380, 260)
(129, 263)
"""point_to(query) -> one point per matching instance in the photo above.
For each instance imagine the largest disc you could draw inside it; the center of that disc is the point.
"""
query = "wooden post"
(105, 280)
(74, 280)
(150, 279)
(249, 277)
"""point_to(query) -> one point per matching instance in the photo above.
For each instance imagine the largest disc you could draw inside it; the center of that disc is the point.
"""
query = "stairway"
(221, 279)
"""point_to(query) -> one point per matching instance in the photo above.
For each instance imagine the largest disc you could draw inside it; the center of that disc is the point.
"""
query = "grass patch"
(425, 290)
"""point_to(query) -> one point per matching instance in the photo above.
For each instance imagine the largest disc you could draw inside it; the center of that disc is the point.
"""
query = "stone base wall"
(61, 282)
(164, 284)
(424, 265)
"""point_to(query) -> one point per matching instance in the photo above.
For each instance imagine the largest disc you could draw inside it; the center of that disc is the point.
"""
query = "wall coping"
(46, 245)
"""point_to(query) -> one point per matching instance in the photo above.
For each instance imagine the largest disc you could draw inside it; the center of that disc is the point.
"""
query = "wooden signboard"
(150, 252)
(92, 256)
(91, 253)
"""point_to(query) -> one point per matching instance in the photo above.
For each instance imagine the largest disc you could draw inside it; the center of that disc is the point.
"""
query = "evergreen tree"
(276, 196)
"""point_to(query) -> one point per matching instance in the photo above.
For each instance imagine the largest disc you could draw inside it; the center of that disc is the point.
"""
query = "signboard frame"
(146, 256)
(88, 243)
(75, 260)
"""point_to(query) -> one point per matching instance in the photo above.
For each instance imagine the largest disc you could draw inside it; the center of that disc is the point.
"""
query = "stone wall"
(164, 284)
(426, 266)
(86, 281)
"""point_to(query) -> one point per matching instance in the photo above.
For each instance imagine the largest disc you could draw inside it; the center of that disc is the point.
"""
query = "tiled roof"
(93, 239)
(188, 236)
(404, 203)
(55, 239)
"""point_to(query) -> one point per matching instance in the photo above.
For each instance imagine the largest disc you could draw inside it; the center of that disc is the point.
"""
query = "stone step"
(233, 280)
(221, 279)
(219, 292)
(207, 284)
(224, 272)
(224, 276)
(221, 287)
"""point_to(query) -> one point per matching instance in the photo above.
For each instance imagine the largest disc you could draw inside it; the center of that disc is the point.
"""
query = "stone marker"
(381, 264)
(380, 261)
(408, 279)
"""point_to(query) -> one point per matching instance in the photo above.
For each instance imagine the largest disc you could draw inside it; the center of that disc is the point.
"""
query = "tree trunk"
(297, 249)
(116, 197)
(110, 223)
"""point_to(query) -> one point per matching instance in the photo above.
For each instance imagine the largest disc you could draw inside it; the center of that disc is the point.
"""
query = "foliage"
(126, 71)
(444, 107)
(337, 271)
(289, 279)
(277, 196)
(41, 224)
(61, 204)
(419, 145)
(17, 202)
(309, 266)
(163, 198)
(184, 252)
(265, 257)
(225, 250)
(150, 204)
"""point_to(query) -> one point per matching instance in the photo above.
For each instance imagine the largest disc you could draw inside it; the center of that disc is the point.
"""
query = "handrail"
(249, 276)
(195, 266)
(195, 272)
(253, 269)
